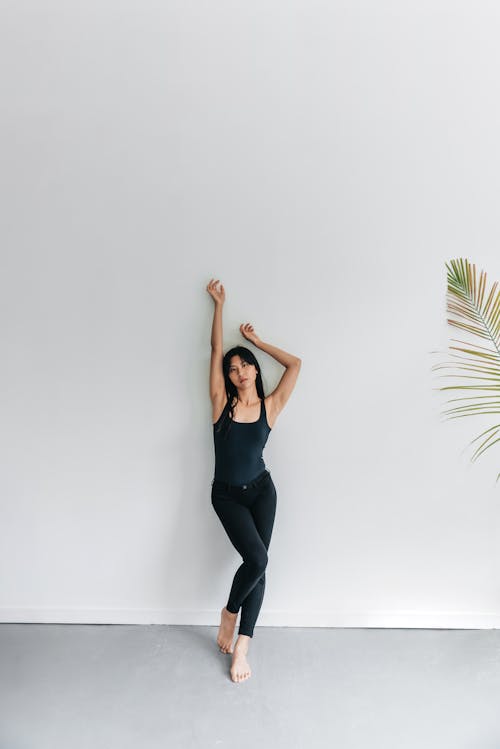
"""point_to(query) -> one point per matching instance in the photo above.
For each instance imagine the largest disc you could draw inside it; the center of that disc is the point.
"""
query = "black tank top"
(238, 456)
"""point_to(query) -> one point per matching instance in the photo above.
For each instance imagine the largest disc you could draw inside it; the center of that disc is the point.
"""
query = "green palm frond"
(480, 317)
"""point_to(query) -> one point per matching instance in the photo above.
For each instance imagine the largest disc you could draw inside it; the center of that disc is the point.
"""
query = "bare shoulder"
(218, 403)
(271, 410)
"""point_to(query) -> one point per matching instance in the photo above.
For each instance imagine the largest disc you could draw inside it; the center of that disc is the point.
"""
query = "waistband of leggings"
(241, 487)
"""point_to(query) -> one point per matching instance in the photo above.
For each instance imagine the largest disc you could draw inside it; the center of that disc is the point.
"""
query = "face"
(240, 370)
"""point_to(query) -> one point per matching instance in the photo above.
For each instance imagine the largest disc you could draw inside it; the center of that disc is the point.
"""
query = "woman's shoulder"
(219, 403)
(271, 414)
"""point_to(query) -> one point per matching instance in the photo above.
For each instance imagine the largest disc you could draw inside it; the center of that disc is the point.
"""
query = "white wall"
(324, 160)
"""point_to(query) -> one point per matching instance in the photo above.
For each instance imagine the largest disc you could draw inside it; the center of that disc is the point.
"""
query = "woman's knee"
(257, 559)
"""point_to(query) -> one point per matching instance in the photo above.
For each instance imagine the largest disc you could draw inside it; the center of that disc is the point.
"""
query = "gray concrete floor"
(146, 687)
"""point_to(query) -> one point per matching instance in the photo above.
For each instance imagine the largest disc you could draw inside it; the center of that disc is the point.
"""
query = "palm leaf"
(479, 317)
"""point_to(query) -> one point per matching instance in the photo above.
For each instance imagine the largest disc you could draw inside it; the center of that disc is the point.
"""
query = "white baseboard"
(392, 619)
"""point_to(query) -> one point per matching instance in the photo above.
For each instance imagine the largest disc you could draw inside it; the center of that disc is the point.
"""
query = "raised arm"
(217, 385)
(292, 363)
(285, 386)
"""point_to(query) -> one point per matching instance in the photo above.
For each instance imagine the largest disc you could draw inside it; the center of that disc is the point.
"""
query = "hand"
(248, 331)
(218, 295)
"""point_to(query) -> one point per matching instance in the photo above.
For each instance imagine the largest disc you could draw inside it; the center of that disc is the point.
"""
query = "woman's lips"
(246, 378)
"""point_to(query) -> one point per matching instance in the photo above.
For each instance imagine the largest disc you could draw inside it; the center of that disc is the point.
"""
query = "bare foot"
(226, 630)
(240, 670)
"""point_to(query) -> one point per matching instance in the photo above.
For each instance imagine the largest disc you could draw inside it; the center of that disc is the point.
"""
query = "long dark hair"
(231, 390)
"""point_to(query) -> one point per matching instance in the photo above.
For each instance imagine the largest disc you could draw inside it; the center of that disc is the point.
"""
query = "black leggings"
(247, 514)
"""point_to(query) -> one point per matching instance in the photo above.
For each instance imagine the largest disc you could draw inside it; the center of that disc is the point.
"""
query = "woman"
(243, 492)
